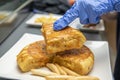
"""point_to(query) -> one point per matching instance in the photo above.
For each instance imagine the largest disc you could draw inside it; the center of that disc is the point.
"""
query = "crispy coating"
(32, 56)
(66, 39)
(79, 60)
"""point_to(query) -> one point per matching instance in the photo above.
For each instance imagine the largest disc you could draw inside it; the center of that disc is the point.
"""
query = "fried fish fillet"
(79, 60)
(66, 39)
(32, 56)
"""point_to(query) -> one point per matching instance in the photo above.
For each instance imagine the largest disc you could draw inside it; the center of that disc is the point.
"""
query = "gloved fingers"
(67, 18)
(59, 24)
(83, 19)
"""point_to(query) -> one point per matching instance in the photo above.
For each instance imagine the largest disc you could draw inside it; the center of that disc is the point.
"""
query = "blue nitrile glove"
(88, 11)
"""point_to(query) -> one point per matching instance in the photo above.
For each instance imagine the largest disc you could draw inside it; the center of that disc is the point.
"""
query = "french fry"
(69, 72)
(62, 72)
(60, 77)
(42, 73)
(53, 68)
(84, 78)
(54, 76)
(67, 77)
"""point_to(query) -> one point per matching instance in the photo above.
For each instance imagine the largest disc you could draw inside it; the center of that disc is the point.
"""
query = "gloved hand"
(88, 11)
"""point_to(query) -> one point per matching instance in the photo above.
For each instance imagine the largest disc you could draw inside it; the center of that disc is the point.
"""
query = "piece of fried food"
(67, 77)
(44, 19)
(33, 56)
(66, 39)
(79, 60)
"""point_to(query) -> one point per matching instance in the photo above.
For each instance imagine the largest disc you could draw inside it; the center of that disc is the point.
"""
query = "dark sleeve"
(117, 63)
(118, 29)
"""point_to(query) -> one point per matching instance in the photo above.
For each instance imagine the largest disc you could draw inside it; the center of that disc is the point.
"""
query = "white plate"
(76, 24)
(31, 21)
(9, 68)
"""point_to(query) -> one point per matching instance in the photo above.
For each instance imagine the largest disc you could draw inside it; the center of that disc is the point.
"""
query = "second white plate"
(32, 22)
(75, 24)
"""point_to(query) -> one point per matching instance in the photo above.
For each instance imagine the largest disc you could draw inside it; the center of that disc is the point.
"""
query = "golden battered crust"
(66, 39)
(32, 56)
(79, 60)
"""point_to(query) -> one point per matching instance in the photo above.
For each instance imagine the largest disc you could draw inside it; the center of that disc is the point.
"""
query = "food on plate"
(66, 39)
(70, 72)
(90, 26)
(42, 73)
(47, 73)
(85, 78)
(53, 68)
(59, 77)
(71, 75)
(62, 72)
(66, 77)
(61, 69)
(79, 60)
(45, 19)
(2, 16)
(33, 56)
(62, 52)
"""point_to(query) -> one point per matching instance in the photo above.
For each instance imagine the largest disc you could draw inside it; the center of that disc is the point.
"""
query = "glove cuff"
(117, 6)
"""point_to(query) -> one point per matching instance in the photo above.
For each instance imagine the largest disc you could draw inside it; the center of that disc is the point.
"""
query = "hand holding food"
(71, 58)
(70, 38)
(88, 11)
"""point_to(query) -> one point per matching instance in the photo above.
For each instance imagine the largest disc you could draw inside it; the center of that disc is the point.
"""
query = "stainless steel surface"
(7, 28)
(12, 7)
